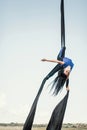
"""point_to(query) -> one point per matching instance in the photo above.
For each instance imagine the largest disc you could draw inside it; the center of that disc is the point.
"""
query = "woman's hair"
(59, 82)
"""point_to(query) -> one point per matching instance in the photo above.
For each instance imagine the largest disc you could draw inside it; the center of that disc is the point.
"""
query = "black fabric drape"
(57, 117)
(62, 24)
(30, 118)
(56, 120)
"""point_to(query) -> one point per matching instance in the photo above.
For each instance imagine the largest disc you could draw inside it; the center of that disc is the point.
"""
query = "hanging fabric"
(29, 121)
(62, 24)
(57, 117)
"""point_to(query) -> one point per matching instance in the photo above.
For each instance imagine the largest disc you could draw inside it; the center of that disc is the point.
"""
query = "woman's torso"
(67, 62)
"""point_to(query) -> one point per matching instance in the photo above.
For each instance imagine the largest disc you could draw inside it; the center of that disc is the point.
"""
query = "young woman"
(64, 68)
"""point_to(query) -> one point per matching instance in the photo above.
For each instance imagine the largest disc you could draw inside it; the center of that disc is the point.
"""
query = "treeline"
(11, 124)
(21, 124)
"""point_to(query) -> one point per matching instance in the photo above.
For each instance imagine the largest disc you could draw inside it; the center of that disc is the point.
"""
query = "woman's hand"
(43, 59)
(67, 88)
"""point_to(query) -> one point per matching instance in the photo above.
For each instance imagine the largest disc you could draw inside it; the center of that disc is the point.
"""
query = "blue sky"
(30, 31)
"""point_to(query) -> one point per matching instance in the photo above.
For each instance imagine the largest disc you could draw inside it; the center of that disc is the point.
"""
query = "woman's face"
(67, 70)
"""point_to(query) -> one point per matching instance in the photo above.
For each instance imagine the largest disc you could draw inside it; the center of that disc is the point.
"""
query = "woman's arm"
(55, 61)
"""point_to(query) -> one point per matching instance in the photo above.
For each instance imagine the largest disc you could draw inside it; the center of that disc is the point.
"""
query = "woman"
(64, 68)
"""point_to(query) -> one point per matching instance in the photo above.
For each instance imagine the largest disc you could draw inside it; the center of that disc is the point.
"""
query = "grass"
(65, 127)
(35, 128)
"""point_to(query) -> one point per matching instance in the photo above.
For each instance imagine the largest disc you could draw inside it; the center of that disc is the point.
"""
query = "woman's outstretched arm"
(55, 61)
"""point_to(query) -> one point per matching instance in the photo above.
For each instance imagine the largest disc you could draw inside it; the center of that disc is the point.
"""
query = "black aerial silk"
(56, 119)
(58, 114)
(62, 24)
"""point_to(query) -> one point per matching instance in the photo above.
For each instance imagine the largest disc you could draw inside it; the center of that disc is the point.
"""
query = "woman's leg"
(54, 70)
(61, 54)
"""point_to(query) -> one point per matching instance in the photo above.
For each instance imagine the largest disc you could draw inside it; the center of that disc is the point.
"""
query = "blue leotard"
(67, 62)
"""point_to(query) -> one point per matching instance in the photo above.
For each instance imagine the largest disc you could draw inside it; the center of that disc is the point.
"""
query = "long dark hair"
(59, 82)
